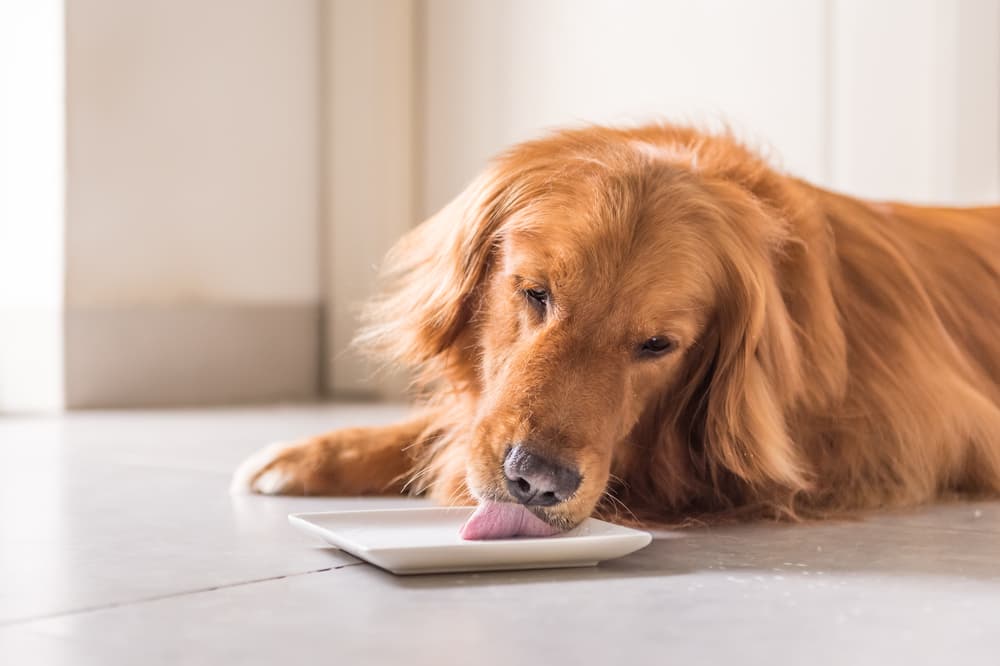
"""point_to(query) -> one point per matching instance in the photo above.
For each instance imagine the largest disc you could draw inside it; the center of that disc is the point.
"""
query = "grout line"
(161, 597)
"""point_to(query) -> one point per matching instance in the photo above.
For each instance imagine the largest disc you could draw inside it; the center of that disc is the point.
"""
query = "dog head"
(611, 299)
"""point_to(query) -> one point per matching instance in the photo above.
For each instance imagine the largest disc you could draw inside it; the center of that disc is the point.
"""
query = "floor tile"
(119, 544)
(857, 594)
(977, 516)
(90, 520)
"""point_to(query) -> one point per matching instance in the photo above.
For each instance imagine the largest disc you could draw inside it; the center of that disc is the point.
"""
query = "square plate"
(426, 540)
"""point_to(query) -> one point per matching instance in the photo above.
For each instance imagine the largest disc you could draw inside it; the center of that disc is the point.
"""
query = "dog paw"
(336, 464)
(276, 469)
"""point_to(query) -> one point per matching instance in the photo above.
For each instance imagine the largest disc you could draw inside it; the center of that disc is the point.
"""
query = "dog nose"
(537, 481)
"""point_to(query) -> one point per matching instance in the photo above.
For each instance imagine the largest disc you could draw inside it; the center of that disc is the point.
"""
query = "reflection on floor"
(120, 545)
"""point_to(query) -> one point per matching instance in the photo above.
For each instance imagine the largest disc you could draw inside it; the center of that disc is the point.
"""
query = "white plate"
(415, 541)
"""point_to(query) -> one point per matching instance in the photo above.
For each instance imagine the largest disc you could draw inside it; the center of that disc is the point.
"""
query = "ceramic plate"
(415, 541)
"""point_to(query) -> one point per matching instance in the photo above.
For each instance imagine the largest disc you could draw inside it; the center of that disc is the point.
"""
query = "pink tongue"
(496, 520)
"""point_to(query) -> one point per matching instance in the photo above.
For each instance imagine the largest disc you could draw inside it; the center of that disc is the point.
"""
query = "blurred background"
(194, 194)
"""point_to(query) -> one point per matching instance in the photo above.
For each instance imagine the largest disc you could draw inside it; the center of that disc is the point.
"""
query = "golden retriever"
(653, 323)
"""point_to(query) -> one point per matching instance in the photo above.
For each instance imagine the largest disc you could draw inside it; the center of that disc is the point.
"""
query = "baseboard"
(191, 355)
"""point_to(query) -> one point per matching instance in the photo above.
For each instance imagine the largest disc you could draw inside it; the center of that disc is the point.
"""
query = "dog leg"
(352, 461)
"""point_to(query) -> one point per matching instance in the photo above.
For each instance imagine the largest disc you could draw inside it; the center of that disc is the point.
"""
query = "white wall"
(881, 98)
(160, 231)
(192, 152)
(192, 244)
(916, 99)
(370, 158)
(31, 204)
(500, 72)
(235, 166)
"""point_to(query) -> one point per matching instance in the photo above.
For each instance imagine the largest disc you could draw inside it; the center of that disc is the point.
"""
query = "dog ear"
(753, 375)
(430, 278)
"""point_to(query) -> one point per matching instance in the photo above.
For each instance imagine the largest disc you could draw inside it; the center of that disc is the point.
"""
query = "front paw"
(282, 468)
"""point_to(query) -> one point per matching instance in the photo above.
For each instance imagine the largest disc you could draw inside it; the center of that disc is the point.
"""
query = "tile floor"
(120, 545)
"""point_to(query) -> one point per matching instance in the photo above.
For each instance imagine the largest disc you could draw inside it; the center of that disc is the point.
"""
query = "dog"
(652, 324)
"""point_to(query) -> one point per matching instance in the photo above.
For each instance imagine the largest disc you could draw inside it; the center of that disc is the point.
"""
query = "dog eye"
(538, 297)
(657, 345)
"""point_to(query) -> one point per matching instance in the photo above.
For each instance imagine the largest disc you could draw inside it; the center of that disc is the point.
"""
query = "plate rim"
(628, 533)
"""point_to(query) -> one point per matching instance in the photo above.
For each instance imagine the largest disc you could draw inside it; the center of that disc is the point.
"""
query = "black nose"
(537, 481)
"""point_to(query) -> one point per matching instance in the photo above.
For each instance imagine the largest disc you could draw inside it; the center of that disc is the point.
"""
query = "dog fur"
(828, 354)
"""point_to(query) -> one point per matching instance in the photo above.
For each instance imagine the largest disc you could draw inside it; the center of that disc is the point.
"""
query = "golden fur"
(831, 354)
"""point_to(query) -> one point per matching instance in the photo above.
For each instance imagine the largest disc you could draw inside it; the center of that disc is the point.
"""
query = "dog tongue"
(496, 520)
